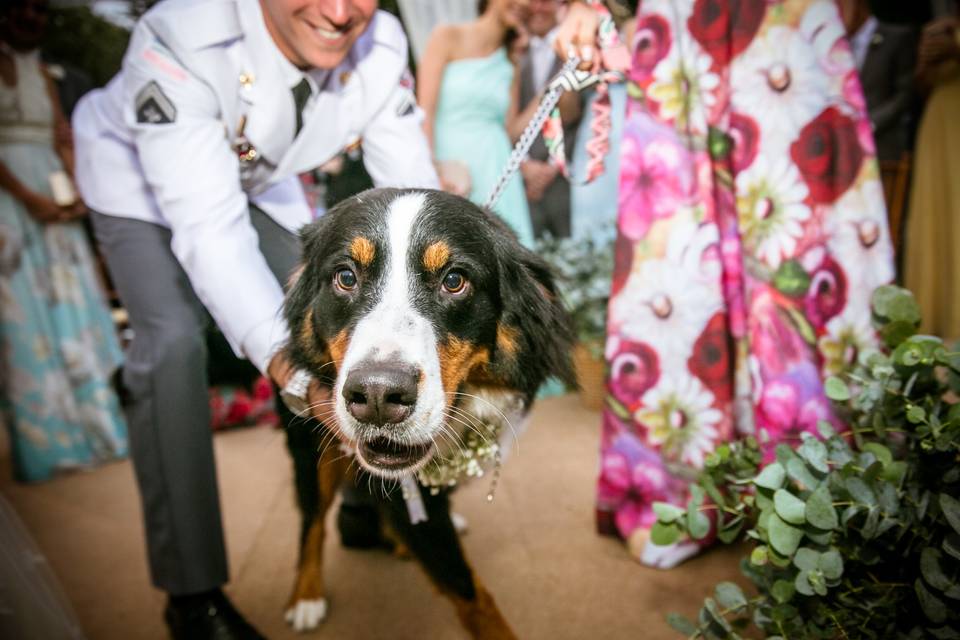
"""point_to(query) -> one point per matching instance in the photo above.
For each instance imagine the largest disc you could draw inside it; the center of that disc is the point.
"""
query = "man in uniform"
(189, 158)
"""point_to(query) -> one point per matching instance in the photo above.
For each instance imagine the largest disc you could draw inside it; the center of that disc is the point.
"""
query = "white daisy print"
(781, 85)
(859, 239)
(848, 335)
(679, 416)
(771, 209)
(684, 87)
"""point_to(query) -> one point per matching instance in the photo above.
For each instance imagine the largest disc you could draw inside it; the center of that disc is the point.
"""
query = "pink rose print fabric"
(751, 234)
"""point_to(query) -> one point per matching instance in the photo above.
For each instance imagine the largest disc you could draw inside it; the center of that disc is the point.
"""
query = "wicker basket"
(590, 374)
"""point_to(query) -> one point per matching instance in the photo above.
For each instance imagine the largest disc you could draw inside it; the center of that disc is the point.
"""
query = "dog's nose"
(381, 393)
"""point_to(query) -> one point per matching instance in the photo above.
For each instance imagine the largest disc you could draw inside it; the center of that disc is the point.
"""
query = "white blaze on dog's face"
(405, 299)
(393, 345)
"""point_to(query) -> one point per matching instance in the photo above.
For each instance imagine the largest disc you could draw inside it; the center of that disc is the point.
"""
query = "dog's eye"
(345, 279)
(454, 283)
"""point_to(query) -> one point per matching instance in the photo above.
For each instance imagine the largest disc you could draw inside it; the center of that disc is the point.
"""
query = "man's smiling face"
(317, 33)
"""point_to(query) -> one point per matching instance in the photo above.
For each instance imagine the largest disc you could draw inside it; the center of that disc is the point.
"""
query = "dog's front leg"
(307, 606)
(436, 545)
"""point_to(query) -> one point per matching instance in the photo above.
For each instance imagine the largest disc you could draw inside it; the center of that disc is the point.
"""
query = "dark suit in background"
(887, 78)
(550, 214)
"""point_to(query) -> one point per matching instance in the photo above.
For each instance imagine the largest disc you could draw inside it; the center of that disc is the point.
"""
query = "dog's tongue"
(389, 454)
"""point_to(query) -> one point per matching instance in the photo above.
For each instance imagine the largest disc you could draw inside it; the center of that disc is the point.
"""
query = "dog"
(421, 311)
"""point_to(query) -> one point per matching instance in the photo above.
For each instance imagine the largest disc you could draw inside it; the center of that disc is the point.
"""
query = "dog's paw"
(307, 615)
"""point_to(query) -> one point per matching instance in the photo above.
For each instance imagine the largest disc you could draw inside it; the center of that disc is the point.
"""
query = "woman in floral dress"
(751, 234)
(58, 350)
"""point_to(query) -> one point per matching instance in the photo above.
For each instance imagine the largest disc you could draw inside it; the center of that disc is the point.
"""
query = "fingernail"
(587, 53)
(571, 51)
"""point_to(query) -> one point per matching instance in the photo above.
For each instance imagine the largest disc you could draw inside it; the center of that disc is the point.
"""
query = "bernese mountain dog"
(420, 310)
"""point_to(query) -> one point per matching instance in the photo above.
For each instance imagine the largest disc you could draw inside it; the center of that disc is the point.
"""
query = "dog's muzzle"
(380, 396)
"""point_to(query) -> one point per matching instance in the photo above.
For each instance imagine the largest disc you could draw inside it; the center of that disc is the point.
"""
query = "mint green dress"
(470, 127)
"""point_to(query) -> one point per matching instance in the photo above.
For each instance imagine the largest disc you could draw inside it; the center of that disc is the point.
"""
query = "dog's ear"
(535, 333)
(306, 346)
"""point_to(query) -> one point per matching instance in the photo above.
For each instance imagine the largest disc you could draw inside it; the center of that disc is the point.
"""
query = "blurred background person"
(58, 349)
(886, 56)
(931, 265)
(468, 88)
(548, 192)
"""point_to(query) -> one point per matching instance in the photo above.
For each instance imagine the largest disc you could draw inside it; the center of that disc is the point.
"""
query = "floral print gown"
(751, 234)
(58, 349)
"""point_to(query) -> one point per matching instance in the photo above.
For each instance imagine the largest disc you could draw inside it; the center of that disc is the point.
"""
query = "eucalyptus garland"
(854, 534)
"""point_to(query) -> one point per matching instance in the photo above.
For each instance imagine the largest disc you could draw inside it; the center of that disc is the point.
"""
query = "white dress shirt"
(216, 64)
(542, 59)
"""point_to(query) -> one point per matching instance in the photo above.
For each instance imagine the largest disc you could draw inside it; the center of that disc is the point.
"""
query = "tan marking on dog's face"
(363, 251)
(318, 356)
(458, 358)
(507, 339)
(436, 256)
(338, 347)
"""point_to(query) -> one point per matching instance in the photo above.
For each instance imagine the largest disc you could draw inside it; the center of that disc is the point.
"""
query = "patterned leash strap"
(547, 104)
(614, 62)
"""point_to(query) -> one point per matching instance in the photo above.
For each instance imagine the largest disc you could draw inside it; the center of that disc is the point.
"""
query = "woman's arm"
(430, 74)
(62, 133)
(41, 207)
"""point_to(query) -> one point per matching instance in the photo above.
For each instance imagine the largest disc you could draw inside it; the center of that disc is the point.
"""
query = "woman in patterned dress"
(751, 234)
(58, 350)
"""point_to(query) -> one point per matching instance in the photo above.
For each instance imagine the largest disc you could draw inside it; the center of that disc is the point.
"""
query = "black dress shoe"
(207, 617)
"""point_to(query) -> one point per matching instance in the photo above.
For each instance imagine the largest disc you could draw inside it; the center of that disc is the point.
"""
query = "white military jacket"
(201, 119)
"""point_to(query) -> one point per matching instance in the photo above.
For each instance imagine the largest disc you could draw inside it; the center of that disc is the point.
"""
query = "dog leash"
(546, 119)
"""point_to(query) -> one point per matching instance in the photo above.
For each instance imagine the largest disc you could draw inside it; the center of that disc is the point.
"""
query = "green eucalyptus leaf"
(711, 488)
(950, 507)
(881, 452)
(848, 514)
(667, 513)
(836, 389)
(825, 429)
(731, 530)
(698, 524)
(798, 471)
(819, 509)
(696, 495)
(782, 591)
(887, 498)
(895, 472)
(815, 454)
(860, 491)
(932, 570)
(802, 584)
(895, 333)
(788, 506)
(730, 596)
(784, 538)
(945, 633)
(932, 606)
(871, 525)
(664, 534)
(681, 624)
(916, 414)
(817, 581)
(759, 556)
(806, 558)
(831, 564)
(951, 545)
(771, 477)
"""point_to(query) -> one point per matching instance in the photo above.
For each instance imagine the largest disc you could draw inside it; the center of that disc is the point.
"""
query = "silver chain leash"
(568, 78)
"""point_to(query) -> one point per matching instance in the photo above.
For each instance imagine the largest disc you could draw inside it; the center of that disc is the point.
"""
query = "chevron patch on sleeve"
(153, 106)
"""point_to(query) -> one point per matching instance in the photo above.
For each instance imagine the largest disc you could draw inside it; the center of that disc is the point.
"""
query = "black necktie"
(301, 93)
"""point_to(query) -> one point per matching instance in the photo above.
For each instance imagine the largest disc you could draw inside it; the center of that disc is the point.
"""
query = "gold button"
(246, 80)
(344, 77)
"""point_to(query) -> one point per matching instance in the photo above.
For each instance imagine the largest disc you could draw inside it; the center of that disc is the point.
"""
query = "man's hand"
(537, 176)
(319, 396)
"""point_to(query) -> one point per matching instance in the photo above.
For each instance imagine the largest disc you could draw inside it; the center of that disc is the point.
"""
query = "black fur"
(511, 285)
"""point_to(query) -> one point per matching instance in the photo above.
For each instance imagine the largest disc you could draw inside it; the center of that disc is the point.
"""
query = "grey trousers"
(169, 417)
